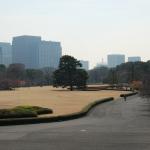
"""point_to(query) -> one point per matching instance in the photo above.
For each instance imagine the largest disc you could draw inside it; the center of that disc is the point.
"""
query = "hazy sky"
(88, 29)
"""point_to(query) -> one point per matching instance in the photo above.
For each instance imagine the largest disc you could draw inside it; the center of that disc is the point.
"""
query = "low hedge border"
(82, 113)
(24, 112)
(128, 94)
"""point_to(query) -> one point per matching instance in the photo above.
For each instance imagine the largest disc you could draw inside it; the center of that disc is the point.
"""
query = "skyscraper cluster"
(5, 53)
(36, 53)
(116, 59)
(31, 51)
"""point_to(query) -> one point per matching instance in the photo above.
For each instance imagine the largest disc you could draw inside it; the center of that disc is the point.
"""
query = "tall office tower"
(49, 54)
(134, 59)
(56, 53)
(44, 54)
(1, 56)
(85, 64)
(115, 59)
(26, 50)
(6, 53)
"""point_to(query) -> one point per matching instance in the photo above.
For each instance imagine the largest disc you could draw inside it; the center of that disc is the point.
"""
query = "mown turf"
(60, 100)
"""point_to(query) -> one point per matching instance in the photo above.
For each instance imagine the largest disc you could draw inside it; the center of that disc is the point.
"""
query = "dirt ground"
(60, 100)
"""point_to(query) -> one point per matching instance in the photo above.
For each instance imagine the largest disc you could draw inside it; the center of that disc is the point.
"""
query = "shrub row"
(23, 112)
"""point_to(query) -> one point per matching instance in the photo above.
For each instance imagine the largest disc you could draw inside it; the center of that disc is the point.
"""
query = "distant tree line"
(98, 75)
(128, 73)
(16, 75)
(124, 73)
(68, 74)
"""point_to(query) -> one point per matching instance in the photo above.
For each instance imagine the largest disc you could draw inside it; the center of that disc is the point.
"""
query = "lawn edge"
(60, 118)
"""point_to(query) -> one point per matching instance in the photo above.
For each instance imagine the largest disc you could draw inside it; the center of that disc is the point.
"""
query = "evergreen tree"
(69, 74)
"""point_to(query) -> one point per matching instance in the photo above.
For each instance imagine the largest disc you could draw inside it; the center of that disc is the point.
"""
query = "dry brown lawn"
(60, 100)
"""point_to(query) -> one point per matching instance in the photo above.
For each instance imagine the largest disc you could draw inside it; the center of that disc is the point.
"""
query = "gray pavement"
(117, 125)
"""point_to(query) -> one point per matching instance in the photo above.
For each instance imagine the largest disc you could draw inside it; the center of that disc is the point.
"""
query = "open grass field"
(60, 100)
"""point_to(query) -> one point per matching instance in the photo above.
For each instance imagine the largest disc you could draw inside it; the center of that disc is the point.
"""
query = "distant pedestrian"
(125, 98)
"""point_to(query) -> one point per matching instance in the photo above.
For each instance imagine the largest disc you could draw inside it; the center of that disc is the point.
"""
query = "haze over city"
(74, 74)
(87, 29)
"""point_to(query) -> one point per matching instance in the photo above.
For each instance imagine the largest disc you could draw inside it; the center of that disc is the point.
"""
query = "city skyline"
(87, 29)
(49, 50)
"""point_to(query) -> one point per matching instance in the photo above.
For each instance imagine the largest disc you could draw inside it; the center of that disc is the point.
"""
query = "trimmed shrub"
(37, 109)
(10, 113)
(23, 112)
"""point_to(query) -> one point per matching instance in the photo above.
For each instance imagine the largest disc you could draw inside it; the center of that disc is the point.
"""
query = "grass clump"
(37, 109)
(24, 112)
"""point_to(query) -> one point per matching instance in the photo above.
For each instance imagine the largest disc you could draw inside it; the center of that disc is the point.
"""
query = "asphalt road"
(117, 125)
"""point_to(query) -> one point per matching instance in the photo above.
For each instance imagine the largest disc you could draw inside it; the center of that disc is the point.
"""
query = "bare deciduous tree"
(145, 90)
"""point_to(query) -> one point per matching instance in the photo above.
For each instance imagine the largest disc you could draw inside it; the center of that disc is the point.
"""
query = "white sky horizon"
(87, 29)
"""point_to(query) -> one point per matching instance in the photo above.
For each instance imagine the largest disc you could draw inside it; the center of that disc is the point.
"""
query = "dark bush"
(6, 84)
(23, 112)
(10, 113)
(37, 109)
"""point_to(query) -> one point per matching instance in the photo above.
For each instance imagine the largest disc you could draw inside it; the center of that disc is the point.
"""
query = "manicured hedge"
(37, 109)
(23, 112)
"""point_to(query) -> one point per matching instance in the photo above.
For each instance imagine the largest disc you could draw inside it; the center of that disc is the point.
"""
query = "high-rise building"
(26, 50)
(1, 56)
(44, 54)
(115, 59)
(56, 53)
(35, 53)
(134, 59)
(49, 54)
(85, 64)
(5, 53)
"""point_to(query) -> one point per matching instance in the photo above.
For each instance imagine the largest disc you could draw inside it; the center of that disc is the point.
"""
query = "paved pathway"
(117, 125)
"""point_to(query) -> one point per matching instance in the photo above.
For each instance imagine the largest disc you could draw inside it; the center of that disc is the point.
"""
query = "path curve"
(117, 125)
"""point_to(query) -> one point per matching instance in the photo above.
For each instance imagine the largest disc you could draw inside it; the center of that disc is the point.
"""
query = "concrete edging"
(82, 113)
